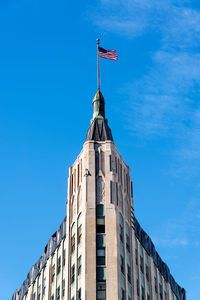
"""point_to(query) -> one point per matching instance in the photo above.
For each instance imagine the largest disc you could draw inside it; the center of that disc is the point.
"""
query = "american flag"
(109, 54)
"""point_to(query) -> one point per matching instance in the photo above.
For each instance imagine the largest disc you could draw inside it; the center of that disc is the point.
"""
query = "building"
(99, 251)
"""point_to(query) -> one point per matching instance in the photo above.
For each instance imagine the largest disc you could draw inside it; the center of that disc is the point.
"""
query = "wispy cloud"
(182, 231)
(165, 101)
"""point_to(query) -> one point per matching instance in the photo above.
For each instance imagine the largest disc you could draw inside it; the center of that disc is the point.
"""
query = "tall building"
(99, 251)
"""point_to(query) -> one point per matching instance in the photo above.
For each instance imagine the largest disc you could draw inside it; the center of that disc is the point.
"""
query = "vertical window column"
(100, 253)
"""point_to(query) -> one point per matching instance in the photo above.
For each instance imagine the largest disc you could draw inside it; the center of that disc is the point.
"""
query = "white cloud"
(165, 101)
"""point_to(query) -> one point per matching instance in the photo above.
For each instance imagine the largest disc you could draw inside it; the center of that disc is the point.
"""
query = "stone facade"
(101, 256)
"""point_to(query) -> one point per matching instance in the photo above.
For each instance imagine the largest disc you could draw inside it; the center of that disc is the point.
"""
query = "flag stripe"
(109, 54)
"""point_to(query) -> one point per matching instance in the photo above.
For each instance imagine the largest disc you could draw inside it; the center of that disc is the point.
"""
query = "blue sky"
(47, 83)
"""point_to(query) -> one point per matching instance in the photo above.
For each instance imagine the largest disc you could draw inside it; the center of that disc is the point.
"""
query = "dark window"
(129, 273)
(52, 273)
(136, 256)
(165, 296)
(138, 288)
(147, 273)
(123, 294)
(101, 290)
(100, 224)
(143, 293)
(101, 274)
(72, 273)
(127, 242)
(156, 286)
(141, 264)
(79, 265)
(101, 256)
(73, 243)
(52, 297)
(58, 293)
(122, 263)
(161, 291)
(100, 240)
(79, 234)
(63, 288)
(34, 296)
(64, 254)
(100, 210)
(121, 233)
(79, 294)
(59, 265)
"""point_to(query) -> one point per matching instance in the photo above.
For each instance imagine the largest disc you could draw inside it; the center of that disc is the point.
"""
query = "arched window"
(79, 231)
(127, 237)
(73, 237)
(121, 226)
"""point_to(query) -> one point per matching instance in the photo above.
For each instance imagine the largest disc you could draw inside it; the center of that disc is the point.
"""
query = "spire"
(98, 105)
(99, 129)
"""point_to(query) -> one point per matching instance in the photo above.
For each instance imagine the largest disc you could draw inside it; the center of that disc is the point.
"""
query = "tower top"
(98, 105)
(99, 129)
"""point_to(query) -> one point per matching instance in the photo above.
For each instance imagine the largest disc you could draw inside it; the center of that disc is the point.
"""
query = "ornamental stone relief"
(100, 190)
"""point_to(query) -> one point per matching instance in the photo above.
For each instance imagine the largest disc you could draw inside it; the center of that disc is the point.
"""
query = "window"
(101, 256)
(122, 263)
(165, 295)
(101, 274)
(156, 287)
(141, 264)
(79, 234)
(73, 243)
(72, 298)
(129, 273)
(100, 224)
(39, 292)
(100, 219)
(34, 296)
(63, 288)
(58, 293)
(128, 242)
(136, 256)
(121, 232)
(52, 297)
(155, 279)
(59, 265)
(123, 294)
(138, 288)
(101, 290)
(101, 241)
(147, 273)
(64, 255)
(79, 294)
(72, 273)
(143, 293)
(44, 286)
(165, 289)
(79, 265)
(53, 273)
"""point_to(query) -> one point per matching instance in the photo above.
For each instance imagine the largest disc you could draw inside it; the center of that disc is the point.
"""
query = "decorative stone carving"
(100, 190)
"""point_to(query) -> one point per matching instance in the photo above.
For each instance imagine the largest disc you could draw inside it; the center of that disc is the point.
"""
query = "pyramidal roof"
(99, 129)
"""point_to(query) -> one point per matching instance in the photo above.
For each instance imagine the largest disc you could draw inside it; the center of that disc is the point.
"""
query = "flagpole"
(98, 71)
